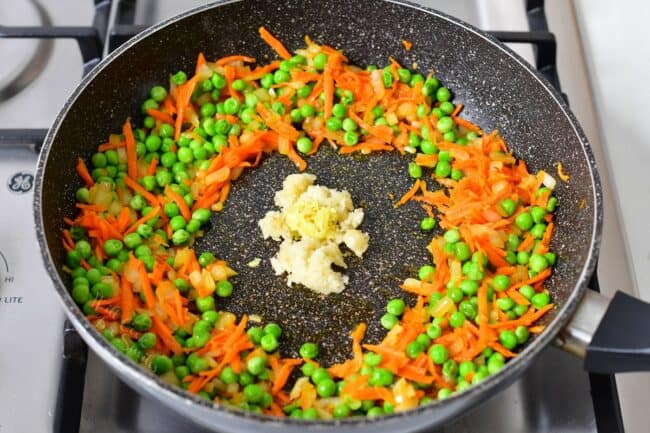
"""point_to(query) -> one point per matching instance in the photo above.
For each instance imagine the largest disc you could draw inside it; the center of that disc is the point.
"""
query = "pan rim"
(152, 384)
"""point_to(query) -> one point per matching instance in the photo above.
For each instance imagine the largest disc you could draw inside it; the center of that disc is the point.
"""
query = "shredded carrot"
(135, 186)
(127, 300)
(274, 43)
(180, 202)
(131, 157)
(110, 146)
(152, 214)
(82, 170)
(151, 170)
(231, 59)
(409, 194)
(183, 99)
(166, 335)
(161, 116)
(407, 44)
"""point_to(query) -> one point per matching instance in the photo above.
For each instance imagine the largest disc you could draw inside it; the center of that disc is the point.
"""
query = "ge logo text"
(21, 183)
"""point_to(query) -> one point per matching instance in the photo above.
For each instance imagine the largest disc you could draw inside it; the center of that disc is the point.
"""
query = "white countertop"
(614, 39)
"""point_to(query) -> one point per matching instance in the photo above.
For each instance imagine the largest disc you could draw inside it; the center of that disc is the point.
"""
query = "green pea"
(99, 160)
(206, 258)
(309, 350)
(462, 251)
(180, 237)
(381, 377)
(508, 339)
(455, 294)
(112, 247)
(147, 340)
(550, 258)
(450, 369)
(149, 104)
(445, 124)
(538, 230)
(119, 344)
(218, 81)
(372, 359)
(132, 240)
(505, 304)
(256, 365)
(522, 333)
(224, 289)
(269, 343)
(414, 349)
(524, 221)
(349, 124)
(341, 410)
(501, 282)
(82, 195)
(339, 110)
(552, 204)
(81, 294)
(443, 169)
(319, 375)
(177, 223)
(537, 263)
(333, 124)
(427, 224)
(508, 206)
(438, 353)
(304, 144)
(452, 236)
(273, 328)
(304, 92)
(255, 334)
(319, 61)
(523, 257)
(351, 138)
(202, 215)
(449, 136)
(443, 94)
(495, 363)
(295, 115)
(228, 375)
(426, 273)
(414, 170)
(415, 79)
(152, 143)
(427, 147)
(326, 388)
(163, 178)
(540, 300)
(469, 287)
(388, 321)
(245, 378)
(307, 110)
(457, 319)
(161, 364)
(446, 107)
(527, 291)
(395, 307)
(84, 248)
(308, 369)
(205, 303)
(253, 393)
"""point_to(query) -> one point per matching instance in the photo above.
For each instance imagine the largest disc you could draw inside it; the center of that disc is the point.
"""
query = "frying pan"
(499, 91)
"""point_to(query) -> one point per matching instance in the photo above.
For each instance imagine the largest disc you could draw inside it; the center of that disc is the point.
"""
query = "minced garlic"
(314, 220)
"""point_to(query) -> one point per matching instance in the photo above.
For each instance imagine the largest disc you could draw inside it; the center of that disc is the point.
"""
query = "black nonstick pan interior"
(496, 90)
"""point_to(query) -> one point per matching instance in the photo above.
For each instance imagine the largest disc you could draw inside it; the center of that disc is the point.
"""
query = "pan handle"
(612, 335)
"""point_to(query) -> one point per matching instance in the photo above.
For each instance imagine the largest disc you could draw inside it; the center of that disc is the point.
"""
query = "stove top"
(49, 381)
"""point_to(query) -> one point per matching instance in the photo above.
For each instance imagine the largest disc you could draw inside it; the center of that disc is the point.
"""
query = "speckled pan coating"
(498, 91)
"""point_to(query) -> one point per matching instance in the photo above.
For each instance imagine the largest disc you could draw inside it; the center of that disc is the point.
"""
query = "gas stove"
(50, 382)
